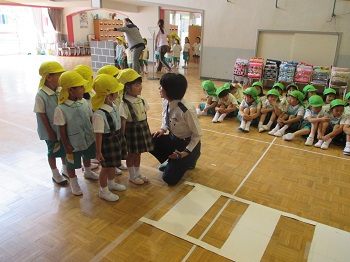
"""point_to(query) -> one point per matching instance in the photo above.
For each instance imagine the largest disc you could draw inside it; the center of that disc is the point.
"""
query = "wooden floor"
(40, 221)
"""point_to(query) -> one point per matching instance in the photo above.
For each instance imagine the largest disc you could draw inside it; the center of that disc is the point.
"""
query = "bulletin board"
(317, 48)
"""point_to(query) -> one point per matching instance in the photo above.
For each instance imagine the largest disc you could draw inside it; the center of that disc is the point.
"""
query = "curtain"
(38, 23)
(56, 17)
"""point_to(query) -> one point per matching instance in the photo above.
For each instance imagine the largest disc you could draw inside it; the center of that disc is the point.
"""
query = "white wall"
(230, 28)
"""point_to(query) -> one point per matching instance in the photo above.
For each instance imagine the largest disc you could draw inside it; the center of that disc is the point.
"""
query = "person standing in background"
(162, 46)
(134, 40)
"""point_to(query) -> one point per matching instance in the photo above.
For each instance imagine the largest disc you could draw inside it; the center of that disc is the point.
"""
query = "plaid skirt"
(113, 149)
(138, 137)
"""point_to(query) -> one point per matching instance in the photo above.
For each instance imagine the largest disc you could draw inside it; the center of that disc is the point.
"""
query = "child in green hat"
(249, 109)
(227, 103)
(308, 90)
(212, 99)
(332, 127)
(280, 88)
(271, 108)
(347, 105)
(329, 94)
(312, 118)
(292, 114)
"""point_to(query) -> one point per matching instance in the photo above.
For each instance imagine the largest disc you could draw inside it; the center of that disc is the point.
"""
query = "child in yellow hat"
(46, 101)
(134, 123)
(73, 116)
(110, 142)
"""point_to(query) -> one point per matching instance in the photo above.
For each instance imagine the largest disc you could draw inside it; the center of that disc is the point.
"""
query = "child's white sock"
(131, 172)
(87, 169)
(284, 128)
(137, 170)
(269, 124)
(247, 125)
(311, 135)
(64, 169)
(260, 124)
(242, 124)
(198, 111)
(55, 171)
(347, 144)
(104, 189)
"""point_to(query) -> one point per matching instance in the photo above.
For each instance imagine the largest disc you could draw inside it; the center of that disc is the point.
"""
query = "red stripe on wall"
(70, 29)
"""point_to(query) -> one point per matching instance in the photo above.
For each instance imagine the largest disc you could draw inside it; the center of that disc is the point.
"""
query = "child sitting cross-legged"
(249, 109)
(333, 127)
(312, 118)
(291, 116)
(227, 103)
(270, 109)
(329, 94)
(212, 99)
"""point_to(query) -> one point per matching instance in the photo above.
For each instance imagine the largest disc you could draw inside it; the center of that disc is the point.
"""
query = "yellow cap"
(127, 75)
(49, 67)
(120, 38)
(86, 72)
(104, 85)
(108, 69)
(67, 80)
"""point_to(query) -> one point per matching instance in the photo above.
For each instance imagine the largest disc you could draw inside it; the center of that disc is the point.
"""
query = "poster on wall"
(83, 20)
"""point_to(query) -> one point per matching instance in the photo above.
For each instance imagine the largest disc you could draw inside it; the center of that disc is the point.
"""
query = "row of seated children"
(72, 131)
(305, 113)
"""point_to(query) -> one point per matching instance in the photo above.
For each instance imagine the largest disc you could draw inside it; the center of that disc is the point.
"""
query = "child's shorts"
(176, 59)
(168, 60)
(186, 56)
(157, 56)
(73, 161)
(120, 62)
(55, 149)
(141, 62)
(306, 125)
(145, 62)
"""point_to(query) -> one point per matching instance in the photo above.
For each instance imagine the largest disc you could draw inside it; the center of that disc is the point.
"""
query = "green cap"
(297, 94)
(316, 101)
(279, 85)
(258, 83)
(309, 88)
(223, 88)
(329, 91)
(209, 87)
(347, 96)
(252, 92)
(292, 85)
(337, 102)
(273, 92)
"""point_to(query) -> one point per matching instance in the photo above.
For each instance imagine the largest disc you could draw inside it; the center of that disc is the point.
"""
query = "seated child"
(280, 87)
(291, 115)
(73, 116)
(260, 88)
(270, 109)
(308, 90)
(249, 109)
(312, 118)
(347, 106)
(333, 127)
(290, 88)
(212, 99)
(236, 89)
(227, 103)
(329, 94)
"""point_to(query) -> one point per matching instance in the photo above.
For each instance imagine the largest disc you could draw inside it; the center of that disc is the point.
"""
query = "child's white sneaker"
(325, 144)
(198, 111)
(74, 185)
(123, 167)
(59, 179)
(137, 180)
(216, 117)
(91, 175)
(288, 136)
(274, 130)
(118, 171)
(221, 118)
(144, 178)
(278, 133)
(265, 127)
(246, 129)
(115, 186)
(309, 141)
(318, 144)
(261, 129)
(109, 196)
(346, 150)
(203, 113)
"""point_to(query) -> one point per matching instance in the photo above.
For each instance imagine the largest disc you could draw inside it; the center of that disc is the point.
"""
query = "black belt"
(173, 137)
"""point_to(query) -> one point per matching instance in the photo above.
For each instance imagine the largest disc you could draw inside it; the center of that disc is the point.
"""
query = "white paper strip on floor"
(188, 211)
(329, 244)
(252, 234)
